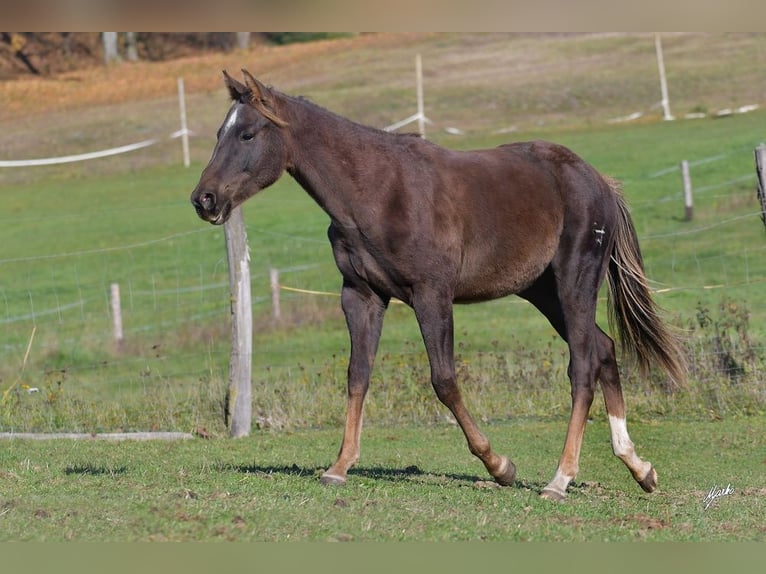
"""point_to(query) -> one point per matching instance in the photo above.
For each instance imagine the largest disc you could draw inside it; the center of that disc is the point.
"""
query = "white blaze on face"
(231, 119)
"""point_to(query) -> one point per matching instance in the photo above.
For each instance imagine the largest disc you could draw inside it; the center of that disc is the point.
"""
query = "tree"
(111, 55)
(243, 40)
(131, 50)
(17, 42)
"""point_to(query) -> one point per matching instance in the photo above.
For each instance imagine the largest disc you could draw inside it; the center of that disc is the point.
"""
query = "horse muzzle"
(209, 209)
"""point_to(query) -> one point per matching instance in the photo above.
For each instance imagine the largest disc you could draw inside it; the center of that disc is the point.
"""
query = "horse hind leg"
(582, 378)
(572, 313)
(643, 471)
(604, 367)
(592, 357)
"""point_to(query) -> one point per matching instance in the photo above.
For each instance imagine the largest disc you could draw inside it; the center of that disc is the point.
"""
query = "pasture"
(70, 231)
(413, 484)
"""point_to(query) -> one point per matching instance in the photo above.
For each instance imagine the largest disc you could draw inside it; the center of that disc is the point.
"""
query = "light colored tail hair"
(632, 312)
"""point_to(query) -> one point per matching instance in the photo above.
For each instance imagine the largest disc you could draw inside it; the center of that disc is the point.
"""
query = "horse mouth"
(216, 218)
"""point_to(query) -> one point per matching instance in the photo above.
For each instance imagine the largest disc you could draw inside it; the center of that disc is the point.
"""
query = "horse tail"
(632, 311)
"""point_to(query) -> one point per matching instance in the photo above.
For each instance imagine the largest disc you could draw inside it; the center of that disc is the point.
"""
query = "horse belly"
(509, 258)
(498, 281)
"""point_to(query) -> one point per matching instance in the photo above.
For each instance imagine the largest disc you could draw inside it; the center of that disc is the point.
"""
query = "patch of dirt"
(343, 537)
(486, 484)
(642, 521)
(756, 492)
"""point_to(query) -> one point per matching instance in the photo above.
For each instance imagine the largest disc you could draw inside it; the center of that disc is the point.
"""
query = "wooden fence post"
(274, 281)
(419, 91)
(666, 115)
(114, 298)
(239, 395)
(760, 167)
(184, 128)
(688, 200)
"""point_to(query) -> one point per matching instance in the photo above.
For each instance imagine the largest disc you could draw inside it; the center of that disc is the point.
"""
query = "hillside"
(72, 230)
(517, 85)
(476, 81)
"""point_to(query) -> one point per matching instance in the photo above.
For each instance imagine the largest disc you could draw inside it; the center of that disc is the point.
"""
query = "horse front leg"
(364, 312)
(434, 314)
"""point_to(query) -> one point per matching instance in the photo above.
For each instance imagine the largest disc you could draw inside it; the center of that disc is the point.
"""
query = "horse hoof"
(507, 476)
(649, 482)
(553, 495)
(332, 479)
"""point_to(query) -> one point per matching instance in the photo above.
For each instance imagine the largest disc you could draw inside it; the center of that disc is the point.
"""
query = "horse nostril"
(207, 201)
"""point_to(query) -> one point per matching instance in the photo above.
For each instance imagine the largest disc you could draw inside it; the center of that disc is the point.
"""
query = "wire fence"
(177, 311)
(169, 305)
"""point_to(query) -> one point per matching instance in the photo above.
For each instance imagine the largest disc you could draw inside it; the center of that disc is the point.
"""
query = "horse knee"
(448, 395)
(445, 387)
(583, 380)
(358, 382)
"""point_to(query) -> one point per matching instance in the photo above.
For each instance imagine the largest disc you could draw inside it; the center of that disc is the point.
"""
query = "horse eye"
(247, 136)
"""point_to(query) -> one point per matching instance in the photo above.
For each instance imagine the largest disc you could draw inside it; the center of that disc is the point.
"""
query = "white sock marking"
(621, 443)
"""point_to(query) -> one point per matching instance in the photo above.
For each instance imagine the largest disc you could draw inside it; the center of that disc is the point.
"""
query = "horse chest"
(361, 260)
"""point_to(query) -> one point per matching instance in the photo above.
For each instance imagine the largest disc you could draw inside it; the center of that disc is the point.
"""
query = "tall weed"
(514, 380)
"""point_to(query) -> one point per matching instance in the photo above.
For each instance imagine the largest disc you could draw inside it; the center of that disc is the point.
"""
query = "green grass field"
(71, 231)
(413, 484)
(68, 239)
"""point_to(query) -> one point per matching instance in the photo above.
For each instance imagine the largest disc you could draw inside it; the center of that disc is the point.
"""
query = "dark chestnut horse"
(433, 227)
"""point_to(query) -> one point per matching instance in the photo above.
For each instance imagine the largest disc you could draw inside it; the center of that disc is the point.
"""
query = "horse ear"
(261, 98)
(236, 89)
(259, 91)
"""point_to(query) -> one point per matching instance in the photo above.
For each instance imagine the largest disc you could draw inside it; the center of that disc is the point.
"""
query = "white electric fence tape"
(84, 156)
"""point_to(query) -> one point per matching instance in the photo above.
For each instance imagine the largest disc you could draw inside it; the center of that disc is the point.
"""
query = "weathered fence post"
(688, 200)
(274, 281)
(419, 91)
(760, 166)
(184, 128)
(114, 298)
(239, 395)
(666, 115)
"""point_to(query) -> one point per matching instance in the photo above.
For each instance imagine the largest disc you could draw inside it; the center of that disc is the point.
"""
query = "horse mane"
(264, 107)
(303, 100)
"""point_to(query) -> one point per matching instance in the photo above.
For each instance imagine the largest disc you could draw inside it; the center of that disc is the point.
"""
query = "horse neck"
(325, 157)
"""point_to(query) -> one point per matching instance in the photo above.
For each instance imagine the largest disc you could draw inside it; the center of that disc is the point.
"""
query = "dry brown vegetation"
(545, 78)
(94, 84)
(480, 83)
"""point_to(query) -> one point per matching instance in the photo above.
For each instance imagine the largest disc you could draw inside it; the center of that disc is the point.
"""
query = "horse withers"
(433, 227)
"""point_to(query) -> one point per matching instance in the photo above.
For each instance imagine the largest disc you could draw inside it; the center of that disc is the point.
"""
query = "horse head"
(250, 153)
